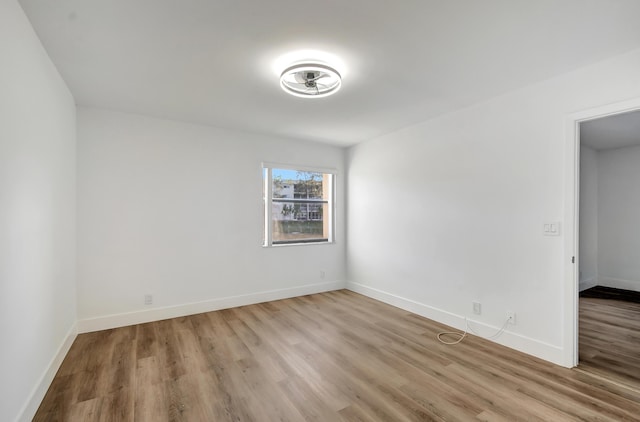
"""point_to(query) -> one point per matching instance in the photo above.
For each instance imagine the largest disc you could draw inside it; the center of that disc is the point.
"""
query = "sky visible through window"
(287, 174)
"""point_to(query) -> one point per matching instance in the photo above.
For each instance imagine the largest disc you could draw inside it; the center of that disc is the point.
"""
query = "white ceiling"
(212, 61)
(618, 131)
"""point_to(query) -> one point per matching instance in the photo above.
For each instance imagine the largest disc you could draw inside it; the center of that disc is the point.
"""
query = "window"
(298, 206)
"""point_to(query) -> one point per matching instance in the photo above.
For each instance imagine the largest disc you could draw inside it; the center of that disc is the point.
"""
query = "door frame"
(571, 218)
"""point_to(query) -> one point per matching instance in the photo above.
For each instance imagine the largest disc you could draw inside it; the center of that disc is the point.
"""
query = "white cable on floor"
(462, 336)
(469, 328)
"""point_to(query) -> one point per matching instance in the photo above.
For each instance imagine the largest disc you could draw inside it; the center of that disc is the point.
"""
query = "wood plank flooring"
(335, 356)
(609, 341)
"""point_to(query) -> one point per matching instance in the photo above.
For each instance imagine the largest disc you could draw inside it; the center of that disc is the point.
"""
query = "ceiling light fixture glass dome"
(310, 80)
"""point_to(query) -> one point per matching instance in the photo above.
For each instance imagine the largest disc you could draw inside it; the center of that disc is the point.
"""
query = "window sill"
(285, 245)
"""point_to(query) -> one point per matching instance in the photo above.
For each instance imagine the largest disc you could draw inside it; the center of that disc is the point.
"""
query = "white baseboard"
(156, 314)
(587, 284)
(618, 283)
(512, 340)
(37, 394)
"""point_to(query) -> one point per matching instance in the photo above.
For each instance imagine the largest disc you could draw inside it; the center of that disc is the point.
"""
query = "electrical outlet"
(322, 274)
(148, 299)
(511, 316)
(477, 308)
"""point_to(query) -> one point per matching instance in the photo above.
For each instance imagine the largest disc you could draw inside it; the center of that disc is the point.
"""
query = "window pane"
(297, 184)
(300, 206)
(295, 221)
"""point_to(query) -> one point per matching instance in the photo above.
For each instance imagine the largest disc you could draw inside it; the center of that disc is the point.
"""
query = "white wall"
(175, 210)
(450, 211)
(619, 218)
(37, 217)
(588, 217)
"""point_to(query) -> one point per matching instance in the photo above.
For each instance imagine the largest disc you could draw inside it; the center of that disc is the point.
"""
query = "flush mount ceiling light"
(310, 80)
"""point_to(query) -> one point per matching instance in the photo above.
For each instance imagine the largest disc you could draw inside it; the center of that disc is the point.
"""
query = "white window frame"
(267, 174)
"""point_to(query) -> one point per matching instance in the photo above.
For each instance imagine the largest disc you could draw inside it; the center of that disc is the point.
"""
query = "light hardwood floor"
(610, 339)
(336, 356)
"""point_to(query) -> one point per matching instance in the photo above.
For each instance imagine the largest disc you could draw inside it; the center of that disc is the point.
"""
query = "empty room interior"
(332, 211)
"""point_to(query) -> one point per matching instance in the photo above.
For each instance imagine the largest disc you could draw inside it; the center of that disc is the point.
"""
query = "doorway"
(571, 220)
(609, 247)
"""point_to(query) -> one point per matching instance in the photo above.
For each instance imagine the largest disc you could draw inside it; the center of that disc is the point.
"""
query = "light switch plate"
(551, 228)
